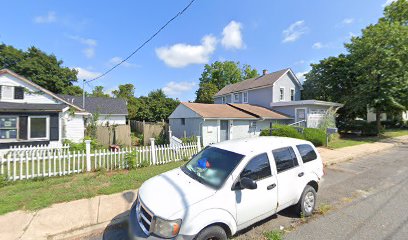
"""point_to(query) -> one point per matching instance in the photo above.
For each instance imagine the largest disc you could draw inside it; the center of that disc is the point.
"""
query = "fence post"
(88, 155)
(198, 143)
(153, 150)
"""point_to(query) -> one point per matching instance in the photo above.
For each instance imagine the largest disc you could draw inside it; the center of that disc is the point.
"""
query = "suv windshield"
(212, 166)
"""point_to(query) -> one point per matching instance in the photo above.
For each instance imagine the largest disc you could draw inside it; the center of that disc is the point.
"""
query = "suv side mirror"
(248, 183)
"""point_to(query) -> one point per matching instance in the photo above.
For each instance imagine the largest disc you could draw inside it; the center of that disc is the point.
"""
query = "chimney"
(264, 72)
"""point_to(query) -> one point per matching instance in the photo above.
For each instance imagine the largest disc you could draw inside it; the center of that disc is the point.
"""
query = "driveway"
(366, 198)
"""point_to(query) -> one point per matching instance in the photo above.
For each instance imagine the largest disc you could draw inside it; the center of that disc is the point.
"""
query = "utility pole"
(83, 94)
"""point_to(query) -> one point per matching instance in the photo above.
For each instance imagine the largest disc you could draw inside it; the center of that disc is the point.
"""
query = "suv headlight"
(165, 228)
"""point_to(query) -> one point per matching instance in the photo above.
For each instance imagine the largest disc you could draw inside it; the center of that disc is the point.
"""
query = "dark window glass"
(18, 93)
(285, 158)
(307, 152)
(183, 121)
(258, 168)
(212, 166)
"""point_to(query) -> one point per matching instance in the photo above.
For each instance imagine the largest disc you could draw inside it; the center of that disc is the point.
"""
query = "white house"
(245, 108)
(32, 115)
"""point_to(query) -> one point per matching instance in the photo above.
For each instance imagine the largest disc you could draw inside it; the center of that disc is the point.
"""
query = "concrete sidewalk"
(81, 217)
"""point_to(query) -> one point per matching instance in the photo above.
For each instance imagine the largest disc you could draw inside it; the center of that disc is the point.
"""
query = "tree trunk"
(378, 121)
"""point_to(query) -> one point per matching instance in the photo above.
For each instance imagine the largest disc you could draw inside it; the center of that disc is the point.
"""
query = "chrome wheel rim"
(309, 202)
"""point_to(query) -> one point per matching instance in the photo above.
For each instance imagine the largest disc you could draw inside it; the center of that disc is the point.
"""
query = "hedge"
(314, 135)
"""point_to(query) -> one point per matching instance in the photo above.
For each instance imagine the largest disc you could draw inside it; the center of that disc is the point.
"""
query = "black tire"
(213, 233)
(307, 202)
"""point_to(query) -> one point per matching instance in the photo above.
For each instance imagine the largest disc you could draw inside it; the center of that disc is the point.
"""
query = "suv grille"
(144, 217)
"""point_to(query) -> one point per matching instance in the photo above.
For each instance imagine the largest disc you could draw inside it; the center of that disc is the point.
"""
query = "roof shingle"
(264, 80)
(99, 105)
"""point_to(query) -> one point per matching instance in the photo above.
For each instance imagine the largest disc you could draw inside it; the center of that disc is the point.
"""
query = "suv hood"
(171, 192)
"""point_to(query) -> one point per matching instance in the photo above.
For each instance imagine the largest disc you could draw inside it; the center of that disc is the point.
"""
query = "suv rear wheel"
(212, 233)
(307, 202)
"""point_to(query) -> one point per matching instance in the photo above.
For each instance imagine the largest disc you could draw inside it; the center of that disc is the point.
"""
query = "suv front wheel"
(212, 233)
(307, 202)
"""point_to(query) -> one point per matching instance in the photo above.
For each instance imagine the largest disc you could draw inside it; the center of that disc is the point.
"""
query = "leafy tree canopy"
(220, 74)
(373, 73)
(41, 68)
(98, 91)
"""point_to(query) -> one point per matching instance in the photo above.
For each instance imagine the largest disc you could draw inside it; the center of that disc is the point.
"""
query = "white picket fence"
(48, 162)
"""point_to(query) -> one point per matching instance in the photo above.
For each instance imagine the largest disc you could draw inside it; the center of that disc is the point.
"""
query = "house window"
(236, 97)
(7, 92)
(38, 127)
(253, 124)
(223, 100)
(292, 94)
(8, 128)
(245, 97)
(281, 94)
(183, 121)
(10, 92)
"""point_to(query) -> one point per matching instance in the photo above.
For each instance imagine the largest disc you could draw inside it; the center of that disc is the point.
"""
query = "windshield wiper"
(193, 175)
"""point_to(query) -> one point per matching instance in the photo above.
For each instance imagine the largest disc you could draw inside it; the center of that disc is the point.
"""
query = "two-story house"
(32, 115)
(267, 99)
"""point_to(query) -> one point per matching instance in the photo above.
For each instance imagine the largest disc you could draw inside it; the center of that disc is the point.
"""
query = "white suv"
(227, 187)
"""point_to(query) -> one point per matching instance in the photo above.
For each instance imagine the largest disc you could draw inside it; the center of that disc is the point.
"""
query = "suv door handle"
(270, 187)
(301, 174)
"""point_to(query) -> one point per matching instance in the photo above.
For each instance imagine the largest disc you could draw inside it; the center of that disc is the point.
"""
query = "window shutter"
(18, 93)
(23, 127)
(0, 92)
(54, 127)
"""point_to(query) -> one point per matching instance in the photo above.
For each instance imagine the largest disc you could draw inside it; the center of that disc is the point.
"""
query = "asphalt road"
(366, 198)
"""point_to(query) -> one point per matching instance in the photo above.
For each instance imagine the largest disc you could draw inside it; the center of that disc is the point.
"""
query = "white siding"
(287, 82)
(210, 132)
(112, 119)
(73, 127)
(32, 97)
(371, 117)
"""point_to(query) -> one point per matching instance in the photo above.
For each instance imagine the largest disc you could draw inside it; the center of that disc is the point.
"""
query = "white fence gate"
(28, 163)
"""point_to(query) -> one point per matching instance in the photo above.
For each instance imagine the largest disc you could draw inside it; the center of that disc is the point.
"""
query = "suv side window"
(285, 158)
(258, 168)
(307, 152)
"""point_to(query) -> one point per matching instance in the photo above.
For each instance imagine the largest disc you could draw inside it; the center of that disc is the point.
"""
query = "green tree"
(73, 90)
(220, 74)
(206, 92)
(98, 91)
(41, 68)
(127, 92)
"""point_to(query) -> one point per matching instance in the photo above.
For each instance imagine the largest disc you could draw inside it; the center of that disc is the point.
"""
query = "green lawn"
(40, 193)
(347, 141)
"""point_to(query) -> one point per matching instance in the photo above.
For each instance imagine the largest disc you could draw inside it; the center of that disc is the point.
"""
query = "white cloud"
(90, 44)
(86, 74)
(175, 89)
(181, 55)
(319, 45)
(232, 36)
(388, 2)
(294, 31)
(301, 76)
(116, 60)
(348, 21)
(49, 18)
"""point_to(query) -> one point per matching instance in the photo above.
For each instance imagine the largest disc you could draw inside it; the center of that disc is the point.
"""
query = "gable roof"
(100, 105)
(261, 81)
(259, 111)
(7, 71)
(223, 111)
(233, 111)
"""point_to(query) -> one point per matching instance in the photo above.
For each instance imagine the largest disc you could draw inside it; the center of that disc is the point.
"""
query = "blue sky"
(93, 35)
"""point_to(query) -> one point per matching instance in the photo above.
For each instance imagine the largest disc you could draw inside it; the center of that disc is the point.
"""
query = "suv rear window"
(285, 158)
(307, 152)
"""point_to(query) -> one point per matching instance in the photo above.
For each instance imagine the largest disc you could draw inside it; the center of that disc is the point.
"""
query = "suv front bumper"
(136, 232)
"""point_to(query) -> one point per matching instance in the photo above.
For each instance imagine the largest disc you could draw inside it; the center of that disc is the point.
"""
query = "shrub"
(282, 131)
(191, 139)
(81, 146)
(360, 126)
(314, 135)
(130, 159)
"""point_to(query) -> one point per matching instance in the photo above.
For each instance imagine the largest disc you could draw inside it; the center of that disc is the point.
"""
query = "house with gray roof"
(32, 115)
(245, 108)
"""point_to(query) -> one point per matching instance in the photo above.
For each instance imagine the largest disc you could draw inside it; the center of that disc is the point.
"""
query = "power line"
(144, 43)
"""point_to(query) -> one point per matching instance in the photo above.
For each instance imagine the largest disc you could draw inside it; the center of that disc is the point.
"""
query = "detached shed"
(220, 122)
